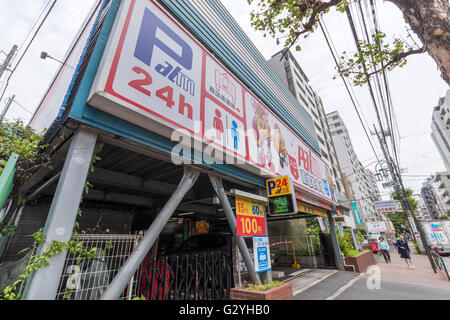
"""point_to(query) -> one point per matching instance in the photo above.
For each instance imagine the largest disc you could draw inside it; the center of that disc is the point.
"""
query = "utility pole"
(8, 105)
(400, 189)
(7, 61)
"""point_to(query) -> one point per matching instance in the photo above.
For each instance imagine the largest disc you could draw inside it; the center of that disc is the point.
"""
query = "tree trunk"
(429, 19)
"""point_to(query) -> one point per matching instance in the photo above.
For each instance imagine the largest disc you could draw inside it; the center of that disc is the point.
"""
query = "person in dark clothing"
(405, 252)
(394, 241)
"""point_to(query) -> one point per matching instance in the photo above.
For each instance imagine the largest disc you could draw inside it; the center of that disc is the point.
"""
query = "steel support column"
(43, 284)
(335, 242)
(218, 187)
(117, 286)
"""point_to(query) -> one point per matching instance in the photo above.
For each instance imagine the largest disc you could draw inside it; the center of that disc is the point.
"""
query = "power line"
(28, 46)
(347, 88)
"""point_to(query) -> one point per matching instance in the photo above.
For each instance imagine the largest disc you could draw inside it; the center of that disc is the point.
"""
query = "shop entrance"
(299, 245)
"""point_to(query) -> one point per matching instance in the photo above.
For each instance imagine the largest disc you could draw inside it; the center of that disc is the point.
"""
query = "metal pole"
(418, 225)
(43, 284)
(218, 187)
(406, 204)
(7, 61)
(8, 105)
(334, 239)
(117, 286)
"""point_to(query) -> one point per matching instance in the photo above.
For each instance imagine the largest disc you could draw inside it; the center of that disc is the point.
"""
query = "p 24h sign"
(154, 74)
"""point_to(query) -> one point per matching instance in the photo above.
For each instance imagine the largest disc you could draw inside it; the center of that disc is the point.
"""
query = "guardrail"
(441, 265)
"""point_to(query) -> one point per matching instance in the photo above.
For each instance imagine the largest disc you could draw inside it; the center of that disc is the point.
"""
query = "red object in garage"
(374, 246)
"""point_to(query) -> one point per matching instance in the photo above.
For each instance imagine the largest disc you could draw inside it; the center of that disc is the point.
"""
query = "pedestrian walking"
(384, 249)
(405, 252)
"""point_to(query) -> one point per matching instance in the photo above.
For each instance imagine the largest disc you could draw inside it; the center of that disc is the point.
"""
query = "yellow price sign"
(250, 217)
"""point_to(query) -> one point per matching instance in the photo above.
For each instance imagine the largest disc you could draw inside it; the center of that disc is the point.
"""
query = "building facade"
(187, 121)
(432, 199)
(440, 127)
(441, 184)
(360, 183)
(290, 72)
(421, 211)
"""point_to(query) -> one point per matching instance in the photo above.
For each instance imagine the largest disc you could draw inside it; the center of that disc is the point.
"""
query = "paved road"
(383, 281)
(392, 291)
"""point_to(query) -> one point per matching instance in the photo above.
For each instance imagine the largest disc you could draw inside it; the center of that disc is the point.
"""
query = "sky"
(415, 89)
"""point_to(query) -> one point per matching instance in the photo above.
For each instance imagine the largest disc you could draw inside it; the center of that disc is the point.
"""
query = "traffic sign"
(390, 184)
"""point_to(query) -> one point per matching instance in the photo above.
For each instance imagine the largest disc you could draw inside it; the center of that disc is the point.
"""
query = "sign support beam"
(43, 284)
(218, 187)
(117, 286)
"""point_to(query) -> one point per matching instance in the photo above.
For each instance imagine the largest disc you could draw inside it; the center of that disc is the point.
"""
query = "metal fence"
(200, 276)
(86, 279)
(442, 265)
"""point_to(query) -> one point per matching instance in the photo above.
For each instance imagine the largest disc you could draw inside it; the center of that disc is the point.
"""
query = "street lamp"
(45, 55)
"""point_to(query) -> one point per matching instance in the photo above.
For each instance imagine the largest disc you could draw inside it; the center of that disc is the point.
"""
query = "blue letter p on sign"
(271, 185)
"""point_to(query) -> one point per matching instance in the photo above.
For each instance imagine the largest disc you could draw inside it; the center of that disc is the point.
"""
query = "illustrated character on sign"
(262, 131)
(280, 146)
(235, 135)
(218, 125)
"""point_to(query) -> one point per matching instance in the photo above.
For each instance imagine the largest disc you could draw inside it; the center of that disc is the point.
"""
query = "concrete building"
(361, 185)
(441, 183)
(440, 127)
(432, 199)
(293, 76)
(421, 211)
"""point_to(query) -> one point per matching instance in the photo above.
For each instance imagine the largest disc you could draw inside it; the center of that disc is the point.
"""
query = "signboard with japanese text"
(280, 192)
(250, 217)
(261, 254)
(388, 206)
(376, 226)
(304, 207)
(282, 205)
(356, 213)
(154, 74)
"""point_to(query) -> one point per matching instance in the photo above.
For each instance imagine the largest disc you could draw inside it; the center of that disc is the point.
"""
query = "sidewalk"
(398, 271)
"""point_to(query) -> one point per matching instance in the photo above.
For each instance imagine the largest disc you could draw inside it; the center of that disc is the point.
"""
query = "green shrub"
(265, 286)
(347, 245)
(416, 245)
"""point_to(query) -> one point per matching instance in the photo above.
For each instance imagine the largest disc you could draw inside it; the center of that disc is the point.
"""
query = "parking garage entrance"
(301, 242)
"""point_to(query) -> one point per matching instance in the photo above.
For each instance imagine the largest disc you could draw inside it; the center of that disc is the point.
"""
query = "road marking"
(314, 283)
(344, 287)
(293, 274)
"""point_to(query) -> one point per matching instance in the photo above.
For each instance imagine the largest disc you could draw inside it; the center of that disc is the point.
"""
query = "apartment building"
(421, 210)
(441, 184)
(432, 199)
(440, 127)
(361, 184)
(291, 73)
